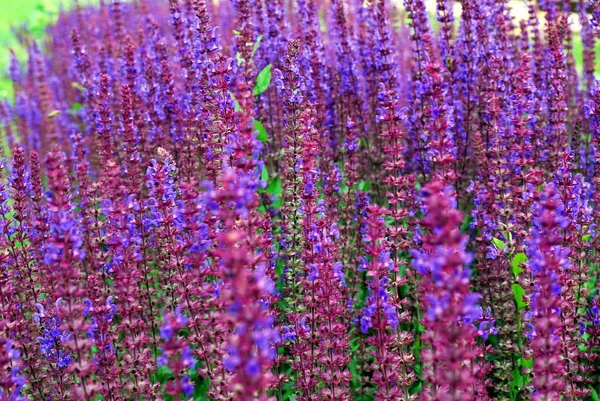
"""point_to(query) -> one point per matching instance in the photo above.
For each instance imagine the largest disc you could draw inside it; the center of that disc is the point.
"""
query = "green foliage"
(516, 384)
(498, 243)
(518, 292)
(274, 187)
(526, 363)
(264, 174)
(364, 185)
(263, 80)
(466, 224)
(75, 108)
(516, 262)
(255, 48)
(262, 132)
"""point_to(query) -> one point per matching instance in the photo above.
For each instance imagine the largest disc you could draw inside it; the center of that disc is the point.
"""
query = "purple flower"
(288, 333)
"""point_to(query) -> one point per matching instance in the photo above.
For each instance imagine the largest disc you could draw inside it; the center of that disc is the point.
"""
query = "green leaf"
(499, 244)
(466, 224)
(77, 86)
(279, 268)
(264, 174)
(586, 237)
(163, 374)
(364, 185)
(595, 395)
(518, 291)
(255, 48)
(526, 363)
(263, 80)
(516, 384)
(274, 187)
(416, 387)
(516, 263)
(262, 132)
(354, 346)
(75, 108)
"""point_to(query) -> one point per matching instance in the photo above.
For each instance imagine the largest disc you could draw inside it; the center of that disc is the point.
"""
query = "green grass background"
(36, 14)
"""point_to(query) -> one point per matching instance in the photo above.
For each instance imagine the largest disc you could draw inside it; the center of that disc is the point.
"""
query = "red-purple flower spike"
(451, 358)
(177, 356)
(249, 349)
(382, 314)
(546, 260)
(11, 379)
(63, 255)
(23, 270)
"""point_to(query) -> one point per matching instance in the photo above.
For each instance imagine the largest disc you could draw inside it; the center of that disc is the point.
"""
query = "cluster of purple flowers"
(302, 200)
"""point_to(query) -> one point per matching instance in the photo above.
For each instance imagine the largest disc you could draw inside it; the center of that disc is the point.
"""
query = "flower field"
(302, 200)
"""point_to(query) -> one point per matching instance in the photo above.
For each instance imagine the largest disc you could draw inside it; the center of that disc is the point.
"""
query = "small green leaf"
(416, 387)
(516, 384)
(163, 374)
(274, 187)
(262, 132)
(516, 263)
(255, 48)
(364, 185)
(518, 291)
(75, 108)
(77, 86)
(466, 224)
(526, 363)
(263, 80)
(279, 267)
(586, 237)
(499, 244)
(264, 174)
(595, 395)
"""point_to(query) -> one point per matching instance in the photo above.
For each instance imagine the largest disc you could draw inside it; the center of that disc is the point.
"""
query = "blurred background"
(33, 16)
(24, 15)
